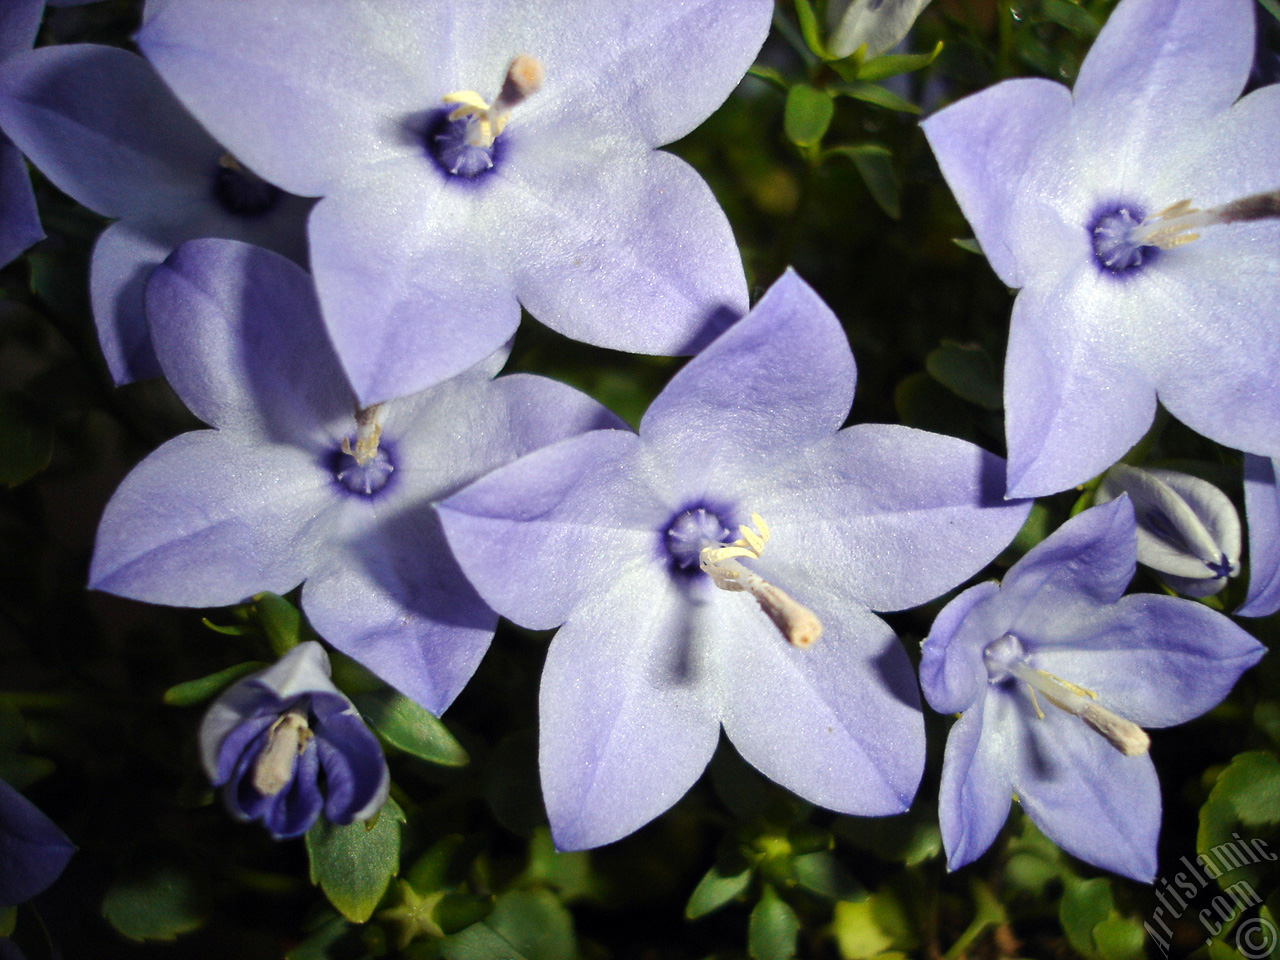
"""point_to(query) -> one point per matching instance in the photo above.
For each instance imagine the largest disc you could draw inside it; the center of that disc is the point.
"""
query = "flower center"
(690, 532)
(1123, 239)
(364, 468)
(1006, 659)
(464, 141)
(242, 192)
(286, 739)
(796, 622)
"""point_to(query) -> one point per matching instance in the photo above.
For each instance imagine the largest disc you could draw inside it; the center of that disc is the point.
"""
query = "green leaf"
(875, 165)
(718, 886)
(874, 94)
(205, 688)
(281, 622)
(924, 403)
(770, 76)
(535, 923)
(987, 913)
(158, 903)
(479, 942)
(807, 115)
(336, 939)
(20, 770)
(809, 28)
(1272, 7)
(893, 64)
(1071, 15)
(26, 437)
(968, 244)
(568, 872)
(411, 728)
(969, 372)
(869, 928)
(772, 929)
(1251, 786)
(823, 874)
(445, 864)
(1120, 938)
(354, 864)
(909, 838)
(1085, 904)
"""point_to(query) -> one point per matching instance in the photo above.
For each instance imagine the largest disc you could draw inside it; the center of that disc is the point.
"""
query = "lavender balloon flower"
(33, 851)
(268, 739)
(1188, 529)
(1262, 508)
(1137, 213)
(19, 219)
(291, 486)
(477, 157)
(721, 568)
(1056, 673)
(101, 125)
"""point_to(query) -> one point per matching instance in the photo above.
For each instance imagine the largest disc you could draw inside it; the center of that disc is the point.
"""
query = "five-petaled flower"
(1056, 673)
(720, 568)
(479, 157)
(1138, 215)
(285, 743)
(293, 483)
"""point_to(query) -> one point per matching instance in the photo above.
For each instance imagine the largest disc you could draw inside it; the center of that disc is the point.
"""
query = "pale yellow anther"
(1073, 687)
(287, 738)
(368, 433)
(1125, 735)
(488, 120)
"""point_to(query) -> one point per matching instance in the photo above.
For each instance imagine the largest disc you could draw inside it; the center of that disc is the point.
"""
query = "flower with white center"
(101, 125)
(1138, 215)
(720, 569)
(285, 743)
(880, 25)
(477, 158)
(1056, 673)
(294, 484)
(1188, 529)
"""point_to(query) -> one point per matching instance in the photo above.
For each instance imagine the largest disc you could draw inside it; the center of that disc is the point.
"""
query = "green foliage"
(197, 691)
(1094, 926)
(353, 864)
(968, 371)
(774, 926)
(807, 115)
(26, 437)
(155, 902)
(408, 727)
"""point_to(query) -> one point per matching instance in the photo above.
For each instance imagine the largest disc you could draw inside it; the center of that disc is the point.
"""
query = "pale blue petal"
(976, 792)
(32, 848)
(1262, 508)
(19, 219)
(953, 674)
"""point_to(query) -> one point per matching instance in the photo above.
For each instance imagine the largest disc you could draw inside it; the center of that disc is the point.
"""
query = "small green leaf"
(1072, 16)
(1272, 7)
(1085, 904)
(281, 622)
(968, 244)
(1251, 786)
(718, 886)
(445, 864)
(772, 929)
(807, 115)
(479, 942)
(875, 94)
(26, 438)
(893, 64)
(229, 630)
(354, 864)
(924, 403)
(809, 28)
(823, 874)
(1119, 938)
(968, 372)
(535, 923)
(158, 903)
(568, 872)
(335, 939)
(875, 166)
(205, 688)
(770, 76)
(409, 727)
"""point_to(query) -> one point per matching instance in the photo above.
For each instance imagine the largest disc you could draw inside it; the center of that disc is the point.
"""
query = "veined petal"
(208, 520)
(1075, 401)
(782, 375)
(983, 750)
(627, 709)
(983, 144)
(838, 723)
(238, 333)
(570, 518)
(641, 259)
(1262, 507)
(19, 219)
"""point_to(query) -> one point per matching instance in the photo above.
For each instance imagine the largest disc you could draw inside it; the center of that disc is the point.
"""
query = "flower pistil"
(485, 121)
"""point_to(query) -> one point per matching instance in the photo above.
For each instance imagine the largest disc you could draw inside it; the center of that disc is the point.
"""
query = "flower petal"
(982, 752)
(19, 219)
(32, 848)
(627, 718)
(355, 772)
(1262, 507)
(838, 723)
(208, 520)
(953, 674)
(123, 259)
(621, 248)
(19, 24)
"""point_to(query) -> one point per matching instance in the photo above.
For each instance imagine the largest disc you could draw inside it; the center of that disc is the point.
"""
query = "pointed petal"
(207, 520)
(984, 144)
(32, 848)
(408, 300)
(238, 333)
(782, 375)
(887, 514)
(19, 219)
(1262, 507)
(977, 777)
(627, 720)
(19, 24)
(953, 675)
(103, 127)
(1087, 797)
(1155, 660)
(356, 779)
(838, 723)
(123, 258)
(1074, 402)
(570, 518)
(620, 248)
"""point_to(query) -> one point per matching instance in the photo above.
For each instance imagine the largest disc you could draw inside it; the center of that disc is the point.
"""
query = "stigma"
(1006, 659)
(286, 740)
(485, 121)
(368, 433)
(796, 622)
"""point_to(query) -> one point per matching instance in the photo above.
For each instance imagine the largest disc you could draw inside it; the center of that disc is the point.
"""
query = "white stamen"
(524, 79)
(368, 433)
(796, 622)
(286, 739)
(1124, 735)
(1172, 226)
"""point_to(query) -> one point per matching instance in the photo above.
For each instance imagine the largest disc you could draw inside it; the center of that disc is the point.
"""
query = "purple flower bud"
(268, 739)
